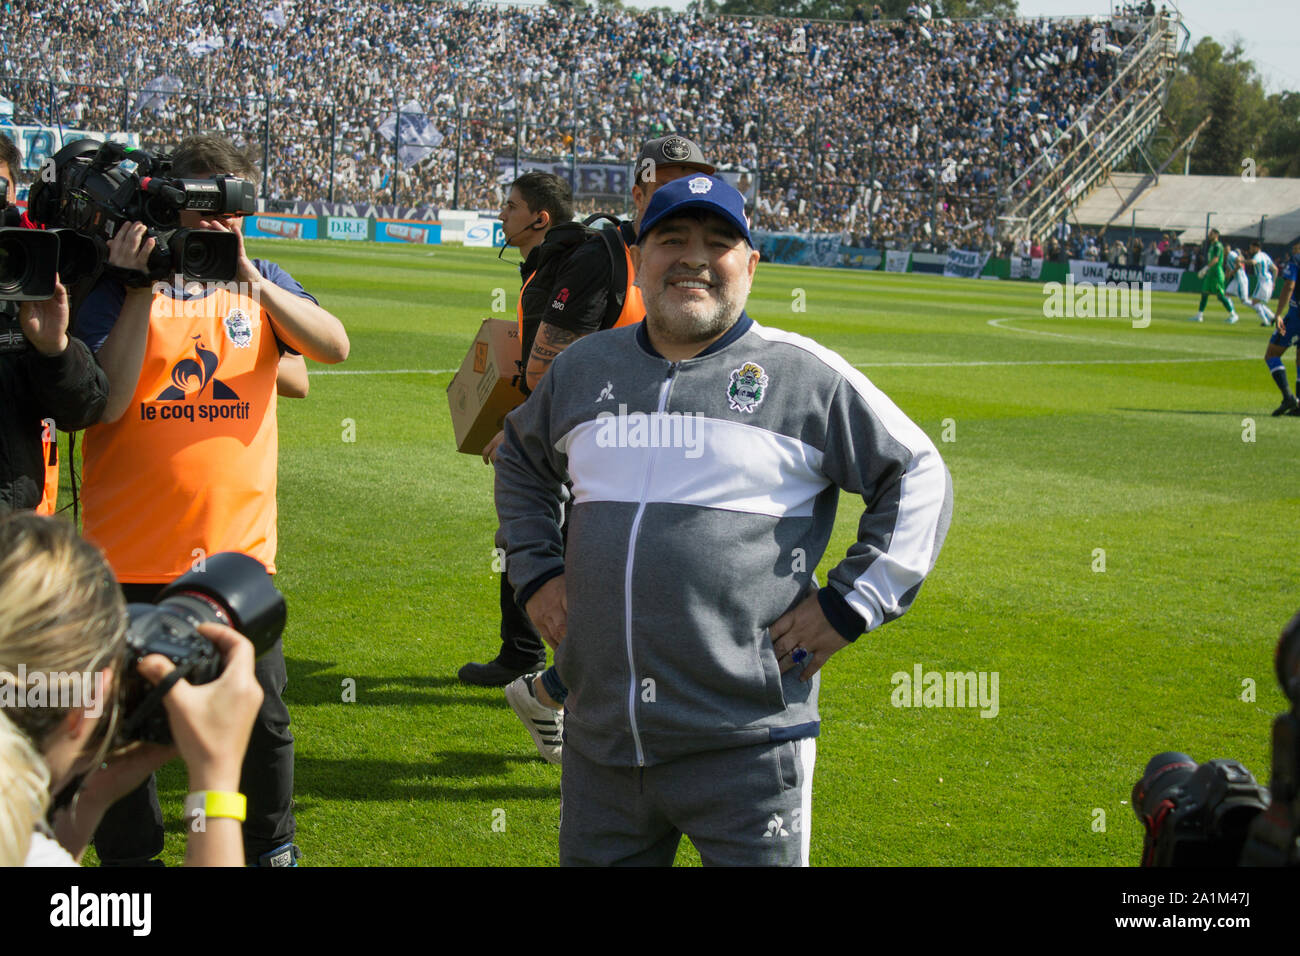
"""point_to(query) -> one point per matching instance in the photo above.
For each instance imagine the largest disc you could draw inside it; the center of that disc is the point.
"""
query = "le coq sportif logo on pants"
(202, 368)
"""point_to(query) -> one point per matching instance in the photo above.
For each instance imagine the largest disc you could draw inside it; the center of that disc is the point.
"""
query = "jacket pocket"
(773, 694)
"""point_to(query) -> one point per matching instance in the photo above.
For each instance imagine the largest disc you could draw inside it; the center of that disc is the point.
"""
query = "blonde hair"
(24, 792)
(61, 612)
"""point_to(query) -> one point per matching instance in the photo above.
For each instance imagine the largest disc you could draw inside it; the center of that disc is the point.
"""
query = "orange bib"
(189, 469)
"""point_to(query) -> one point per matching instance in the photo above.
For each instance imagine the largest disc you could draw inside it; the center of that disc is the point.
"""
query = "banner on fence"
(346, 227)
(800, 249)
(39, 143)
(858, 257)
(1023, 267)
(485, 234)
(275, 226)
(896, 261)
(363, 210)
(965, 264)
(609, 182)
(1161, 278)
(387, 230)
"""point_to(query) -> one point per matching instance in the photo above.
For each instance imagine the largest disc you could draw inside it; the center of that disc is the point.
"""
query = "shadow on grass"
(310, 684)
(319, 781)
(449, 775)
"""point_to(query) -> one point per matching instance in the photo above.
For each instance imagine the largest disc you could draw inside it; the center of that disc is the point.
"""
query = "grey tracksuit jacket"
(703, 496)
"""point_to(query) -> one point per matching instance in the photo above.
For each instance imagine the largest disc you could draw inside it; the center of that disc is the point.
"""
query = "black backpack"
(609, 235)
(562, 243)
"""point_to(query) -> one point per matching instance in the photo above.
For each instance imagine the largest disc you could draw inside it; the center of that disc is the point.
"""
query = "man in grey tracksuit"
(706, 454)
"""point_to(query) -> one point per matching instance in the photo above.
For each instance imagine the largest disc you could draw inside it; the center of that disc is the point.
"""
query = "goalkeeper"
(1212, 279)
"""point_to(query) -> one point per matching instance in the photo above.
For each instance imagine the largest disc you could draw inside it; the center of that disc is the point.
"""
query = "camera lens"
(197, 258)
(27, 263)
(204, 255)
(13, 266)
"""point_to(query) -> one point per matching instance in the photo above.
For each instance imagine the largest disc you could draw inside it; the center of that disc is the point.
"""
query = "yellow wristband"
(217, 803)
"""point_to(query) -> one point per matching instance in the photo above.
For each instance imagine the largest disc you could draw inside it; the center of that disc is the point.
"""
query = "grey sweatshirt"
(703, 497)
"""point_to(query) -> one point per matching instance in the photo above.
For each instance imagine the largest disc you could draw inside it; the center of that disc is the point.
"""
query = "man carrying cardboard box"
(537, 205)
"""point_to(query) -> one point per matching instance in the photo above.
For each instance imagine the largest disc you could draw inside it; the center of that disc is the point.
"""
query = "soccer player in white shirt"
(1265, 275)
(1234, 267)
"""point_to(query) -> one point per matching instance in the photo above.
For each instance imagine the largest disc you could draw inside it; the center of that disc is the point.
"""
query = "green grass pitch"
(1074, 444)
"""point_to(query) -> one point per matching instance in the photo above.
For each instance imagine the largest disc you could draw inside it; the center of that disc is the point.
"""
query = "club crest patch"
(700, 185)
(748, 387)
(239, 328)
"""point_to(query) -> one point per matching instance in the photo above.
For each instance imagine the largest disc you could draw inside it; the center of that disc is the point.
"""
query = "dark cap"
(673, 151)
(696, 192)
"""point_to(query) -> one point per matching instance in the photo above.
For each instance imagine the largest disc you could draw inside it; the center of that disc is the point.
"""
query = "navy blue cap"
(696, 192)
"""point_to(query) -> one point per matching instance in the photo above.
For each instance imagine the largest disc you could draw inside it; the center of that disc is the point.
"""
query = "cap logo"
(677, 148)
(700, 185)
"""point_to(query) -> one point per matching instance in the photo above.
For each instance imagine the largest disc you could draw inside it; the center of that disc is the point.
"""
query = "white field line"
(861, 365)
(997, 324)
(1202, 356)
(384, 371)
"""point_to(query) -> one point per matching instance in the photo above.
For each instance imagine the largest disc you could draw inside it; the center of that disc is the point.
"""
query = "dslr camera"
(233, 589)
(1217, 814)
(93, 189)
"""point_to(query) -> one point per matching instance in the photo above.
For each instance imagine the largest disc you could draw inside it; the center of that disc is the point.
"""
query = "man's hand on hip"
(805, 627)
(548, 609)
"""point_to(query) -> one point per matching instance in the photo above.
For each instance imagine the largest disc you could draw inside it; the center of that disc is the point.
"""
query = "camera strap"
(155, 696)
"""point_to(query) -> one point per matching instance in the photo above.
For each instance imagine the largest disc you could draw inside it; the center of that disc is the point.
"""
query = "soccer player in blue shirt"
(1287, 334)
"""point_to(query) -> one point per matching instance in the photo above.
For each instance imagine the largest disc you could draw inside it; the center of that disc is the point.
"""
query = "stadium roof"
(1180, 203)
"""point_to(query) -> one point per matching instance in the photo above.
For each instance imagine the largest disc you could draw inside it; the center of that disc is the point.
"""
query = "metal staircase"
(1123, 117)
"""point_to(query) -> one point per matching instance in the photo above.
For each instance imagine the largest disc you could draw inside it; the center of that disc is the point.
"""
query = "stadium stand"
(900, 133)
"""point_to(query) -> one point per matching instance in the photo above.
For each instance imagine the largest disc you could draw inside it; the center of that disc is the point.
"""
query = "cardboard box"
(483, 392)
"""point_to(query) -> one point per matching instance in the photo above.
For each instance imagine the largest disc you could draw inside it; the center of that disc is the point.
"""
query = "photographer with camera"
(62, 620)
(184, 462)
(44, 375)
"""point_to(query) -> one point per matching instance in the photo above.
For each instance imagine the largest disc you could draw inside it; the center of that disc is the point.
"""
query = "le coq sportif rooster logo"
(200, 369)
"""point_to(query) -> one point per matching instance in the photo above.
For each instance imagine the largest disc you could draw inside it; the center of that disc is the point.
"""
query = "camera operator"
(184, 462)
(44, 374)
(62, 618)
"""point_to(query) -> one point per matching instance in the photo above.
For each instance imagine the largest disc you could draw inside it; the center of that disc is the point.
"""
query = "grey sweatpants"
(748, 806)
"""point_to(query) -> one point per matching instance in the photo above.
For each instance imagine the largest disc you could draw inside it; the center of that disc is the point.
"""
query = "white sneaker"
(1232, 319)
(1195, 318)
(546, 725)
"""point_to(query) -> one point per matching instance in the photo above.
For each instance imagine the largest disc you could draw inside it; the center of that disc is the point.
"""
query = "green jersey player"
(1212, 279)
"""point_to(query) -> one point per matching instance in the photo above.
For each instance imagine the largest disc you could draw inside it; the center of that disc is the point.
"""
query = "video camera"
(1217, 814)
(91, 189)
(232, 589)
(30, 258)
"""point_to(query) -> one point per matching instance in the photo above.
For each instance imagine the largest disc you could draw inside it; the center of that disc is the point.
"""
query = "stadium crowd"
(1092, 245)
(906, 131)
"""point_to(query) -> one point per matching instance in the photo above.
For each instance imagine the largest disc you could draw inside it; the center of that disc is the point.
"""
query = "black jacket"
(69, 388)
(543, 265)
